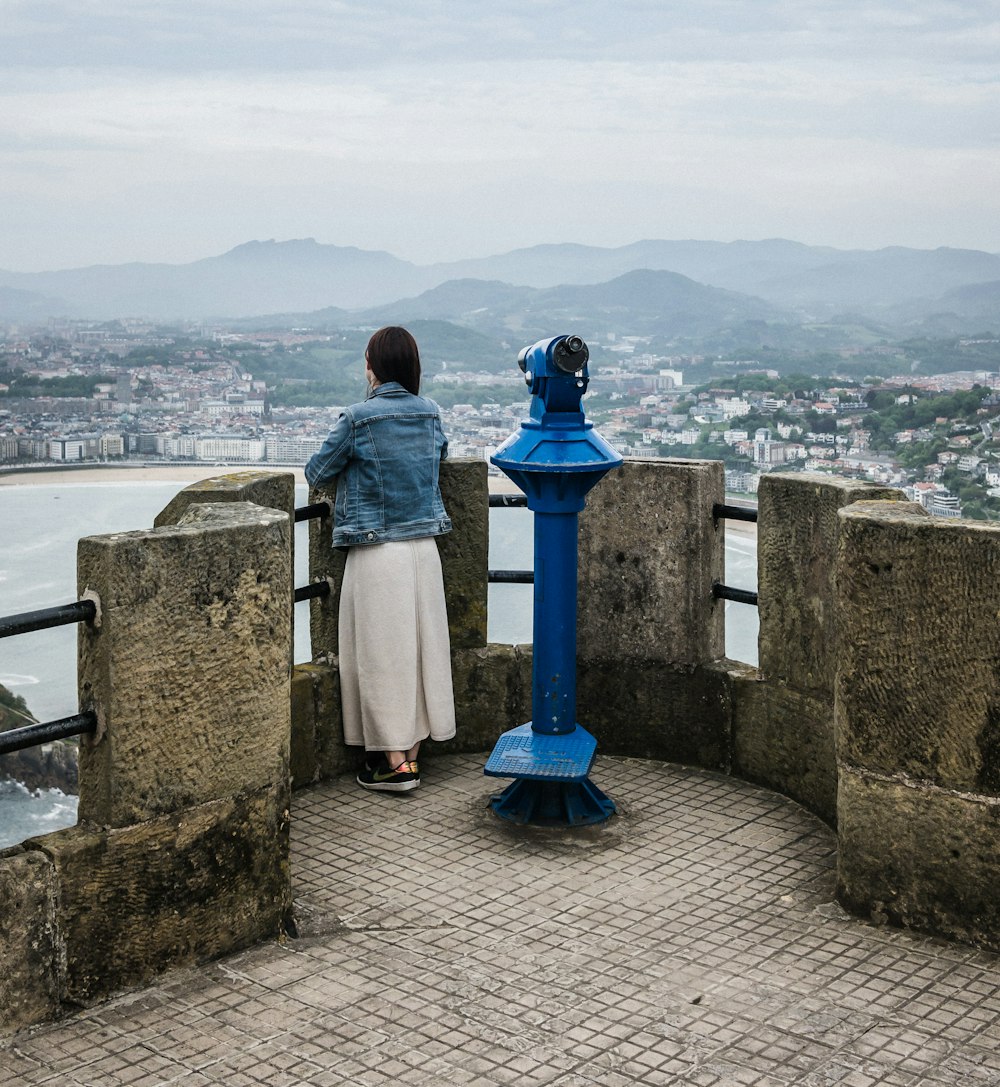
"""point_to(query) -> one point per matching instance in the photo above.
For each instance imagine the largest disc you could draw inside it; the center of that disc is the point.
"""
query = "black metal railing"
(80, 611)
(317, 589)
(312, 592)
(16, 739)
(41, 732)
(728, 512)
(315, 509)
(728, 592)
(509, 577)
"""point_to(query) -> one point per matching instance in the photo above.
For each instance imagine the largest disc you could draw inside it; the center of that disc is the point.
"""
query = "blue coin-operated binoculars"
(555, 458)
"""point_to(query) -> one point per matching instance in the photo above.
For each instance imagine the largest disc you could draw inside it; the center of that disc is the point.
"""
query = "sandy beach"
(123, 473)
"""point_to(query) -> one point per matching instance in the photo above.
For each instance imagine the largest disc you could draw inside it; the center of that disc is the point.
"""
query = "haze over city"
(135, 132)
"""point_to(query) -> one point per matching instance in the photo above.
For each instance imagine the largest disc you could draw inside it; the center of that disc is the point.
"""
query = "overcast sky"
(169, 130)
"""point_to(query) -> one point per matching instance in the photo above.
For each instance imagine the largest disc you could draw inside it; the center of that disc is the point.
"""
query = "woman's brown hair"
(393, 355)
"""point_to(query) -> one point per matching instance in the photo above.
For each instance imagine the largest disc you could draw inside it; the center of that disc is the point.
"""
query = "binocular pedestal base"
(553, 789)
(553, 803)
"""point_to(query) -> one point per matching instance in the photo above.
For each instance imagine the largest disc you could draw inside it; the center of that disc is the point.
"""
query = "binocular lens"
(571, 355)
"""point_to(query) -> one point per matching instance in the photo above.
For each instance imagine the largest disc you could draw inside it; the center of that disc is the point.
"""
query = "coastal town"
(132, 392)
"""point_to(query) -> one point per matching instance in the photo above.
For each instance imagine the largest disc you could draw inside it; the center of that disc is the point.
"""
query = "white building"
(177, 446)
(767, 453)
(281, 450)
(81, 447)
(226, 449)
(111, 445)
(945, 505)
(733, 407)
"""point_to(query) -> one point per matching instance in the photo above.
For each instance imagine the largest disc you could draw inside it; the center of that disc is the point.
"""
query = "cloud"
(186, 35)
(716, 117)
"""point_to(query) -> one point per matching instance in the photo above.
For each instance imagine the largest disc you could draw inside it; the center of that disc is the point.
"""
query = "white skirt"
(395, 653)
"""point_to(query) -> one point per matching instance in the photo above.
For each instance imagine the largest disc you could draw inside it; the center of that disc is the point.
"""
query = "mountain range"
(665, 288)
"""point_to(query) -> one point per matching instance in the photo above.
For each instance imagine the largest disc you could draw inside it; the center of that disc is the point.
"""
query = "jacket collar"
(387, 388)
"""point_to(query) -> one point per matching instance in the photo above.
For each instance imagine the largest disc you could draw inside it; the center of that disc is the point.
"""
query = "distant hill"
(739, 265)
(873, 282)
(20, 305)
(303, 276)
(258, 277)
(644, 302)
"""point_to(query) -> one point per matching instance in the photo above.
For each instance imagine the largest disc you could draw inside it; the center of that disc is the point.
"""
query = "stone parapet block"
(465, 550)
(649, 554)
(325, 563)
(303, 764)
(29, 983)
(275, 490)
(189, 669)
(318, 749)
(797, 539)
(918, 689)
(920, 856)
(178, 889)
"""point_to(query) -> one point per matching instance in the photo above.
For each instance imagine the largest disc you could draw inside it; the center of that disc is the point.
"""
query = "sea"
(41, 524)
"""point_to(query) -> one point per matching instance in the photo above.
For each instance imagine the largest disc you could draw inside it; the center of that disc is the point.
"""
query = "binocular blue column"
(555, 458)
(553, 692)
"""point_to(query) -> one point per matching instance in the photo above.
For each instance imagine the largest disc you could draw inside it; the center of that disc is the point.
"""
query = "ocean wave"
(12, 679)
(62, 807)
(9, 787)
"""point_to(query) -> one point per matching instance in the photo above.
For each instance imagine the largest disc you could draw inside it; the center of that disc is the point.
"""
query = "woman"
(395, 659)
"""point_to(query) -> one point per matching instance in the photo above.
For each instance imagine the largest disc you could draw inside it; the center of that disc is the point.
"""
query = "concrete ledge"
(179, 889)
(649, 710)
(29, 984)
(783, 739)
(919, 856)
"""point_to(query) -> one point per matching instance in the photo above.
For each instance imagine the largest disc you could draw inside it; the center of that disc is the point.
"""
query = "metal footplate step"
(542, 756)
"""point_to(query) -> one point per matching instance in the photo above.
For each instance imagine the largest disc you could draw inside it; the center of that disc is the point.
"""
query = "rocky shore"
(47, 766)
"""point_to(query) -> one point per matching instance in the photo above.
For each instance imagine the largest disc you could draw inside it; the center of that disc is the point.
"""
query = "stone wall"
(875, 704)
(181, 850)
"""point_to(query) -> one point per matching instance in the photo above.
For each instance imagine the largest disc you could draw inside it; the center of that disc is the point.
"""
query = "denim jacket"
(386, 453)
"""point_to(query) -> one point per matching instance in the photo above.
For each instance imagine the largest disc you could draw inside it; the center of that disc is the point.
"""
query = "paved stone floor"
(692, 940)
